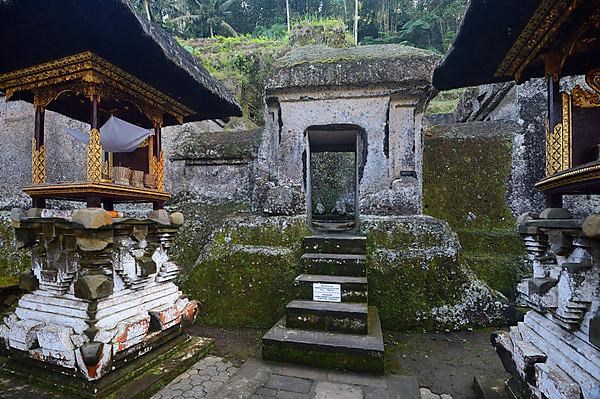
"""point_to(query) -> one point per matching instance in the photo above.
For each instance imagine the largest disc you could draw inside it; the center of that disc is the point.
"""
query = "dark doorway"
(332, 178)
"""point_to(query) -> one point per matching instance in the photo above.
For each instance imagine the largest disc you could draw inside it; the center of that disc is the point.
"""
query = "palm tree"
(213, 12)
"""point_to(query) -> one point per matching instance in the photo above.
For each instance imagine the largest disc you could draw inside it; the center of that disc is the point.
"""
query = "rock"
(177, 218)
(160, 216)
(427, 394)
(164, 317)
(94, 360)
(594, 333)
(93, 286)
(281, 200)
(190, 312)
(92, 218)
(339, 208)
(555, 213)
(56, 338)
(94, 242)
(28, 281)
(591, 226)
(146, 265)
(34, 212)
(319, 209)
(22, 334)
(16, 214)
(477, 103)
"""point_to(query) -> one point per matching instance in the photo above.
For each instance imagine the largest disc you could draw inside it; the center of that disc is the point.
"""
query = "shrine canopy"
(503, 40)
(107, 35)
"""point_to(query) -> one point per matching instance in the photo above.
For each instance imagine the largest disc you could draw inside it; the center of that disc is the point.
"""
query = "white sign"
(327, 292)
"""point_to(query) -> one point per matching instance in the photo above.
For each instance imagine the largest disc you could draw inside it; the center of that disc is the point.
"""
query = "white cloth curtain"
(116, 135)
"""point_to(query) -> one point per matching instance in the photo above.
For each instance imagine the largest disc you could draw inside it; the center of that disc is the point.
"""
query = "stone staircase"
(343, 332)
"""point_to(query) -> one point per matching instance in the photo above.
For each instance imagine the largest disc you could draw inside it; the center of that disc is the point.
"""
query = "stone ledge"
(139, 379)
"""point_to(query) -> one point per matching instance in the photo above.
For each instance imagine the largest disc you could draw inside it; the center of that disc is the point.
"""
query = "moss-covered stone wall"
(467, 168)
(245, 275)
(12, 260)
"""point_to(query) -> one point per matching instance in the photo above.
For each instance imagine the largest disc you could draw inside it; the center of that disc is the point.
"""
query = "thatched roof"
(38, 31)
(495, 33)
(361, 66)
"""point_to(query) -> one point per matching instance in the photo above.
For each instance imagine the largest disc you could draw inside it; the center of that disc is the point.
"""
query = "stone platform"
(100, 291)
(555, 351)
(331, 334)
(140, 378)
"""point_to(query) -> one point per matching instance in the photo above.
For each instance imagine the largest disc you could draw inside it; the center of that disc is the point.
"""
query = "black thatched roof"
(38, 31)
(488, 32)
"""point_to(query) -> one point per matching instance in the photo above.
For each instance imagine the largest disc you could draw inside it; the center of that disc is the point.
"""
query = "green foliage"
(242, 63)
(330, 32)
(444, 102)
(430, 24)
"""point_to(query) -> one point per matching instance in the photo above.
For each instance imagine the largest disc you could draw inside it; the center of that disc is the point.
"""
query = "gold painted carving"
(91, 70)
(569, 177)
(558, 141)
(158, 170)
(538, 32)
(593, 80)
(38, 163)
(94, 157)
(81, 189)
(585, 98)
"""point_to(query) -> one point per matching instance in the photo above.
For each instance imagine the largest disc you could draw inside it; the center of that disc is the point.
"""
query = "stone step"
(335, 264)
(363, 353)
(350, 318)
(353, 289)
(335, 244)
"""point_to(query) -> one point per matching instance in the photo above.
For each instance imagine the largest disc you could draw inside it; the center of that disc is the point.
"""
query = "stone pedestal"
(101, 290)
(555, 351)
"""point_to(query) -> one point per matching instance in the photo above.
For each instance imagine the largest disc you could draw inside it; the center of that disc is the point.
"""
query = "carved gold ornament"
(38, 163)
(558, 141)
(584, 98)
(94, 157)
(538, 32)
(86, 72)
(158, 170)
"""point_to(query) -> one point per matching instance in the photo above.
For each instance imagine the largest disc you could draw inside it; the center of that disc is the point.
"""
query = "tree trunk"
(287, 10)
(147, 7)
(355, 22)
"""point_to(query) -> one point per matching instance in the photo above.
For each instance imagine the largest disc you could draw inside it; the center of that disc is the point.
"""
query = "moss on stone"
(315, 66)
(466, 173)
(218, 145)
(12, 260)
(245, 276)
(200, 220)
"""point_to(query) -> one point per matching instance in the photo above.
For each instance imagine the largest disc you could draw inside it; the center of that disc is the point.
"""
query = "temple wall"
(467, 175)
(524, 105)
(390, 126)
(65, 156)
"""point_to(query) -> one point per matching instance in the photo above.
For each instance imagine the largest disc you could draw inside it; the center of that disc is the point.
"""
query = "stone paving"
(261, 380)
(201, 380)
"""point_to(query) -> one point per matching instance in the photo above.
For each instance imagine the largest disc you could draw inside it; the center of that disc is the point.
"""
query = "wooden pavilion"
(555, 352)
(60, 56)
(101, 290)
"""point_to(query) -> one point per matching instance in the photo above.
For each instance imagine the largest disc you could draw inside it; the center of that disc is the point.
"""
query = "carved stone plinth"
(555, 351)
(101, 291)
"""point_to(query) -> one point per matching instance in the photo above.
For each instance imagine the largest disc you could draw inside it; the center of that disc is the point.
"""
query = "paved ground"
(445, 362)
(200, 381)
(261, 380)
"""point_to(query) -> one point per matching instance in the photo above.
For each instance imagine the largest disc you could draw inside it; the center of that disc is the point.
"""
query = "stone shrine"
(101, 289)
(555, 351)
(366, 102)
